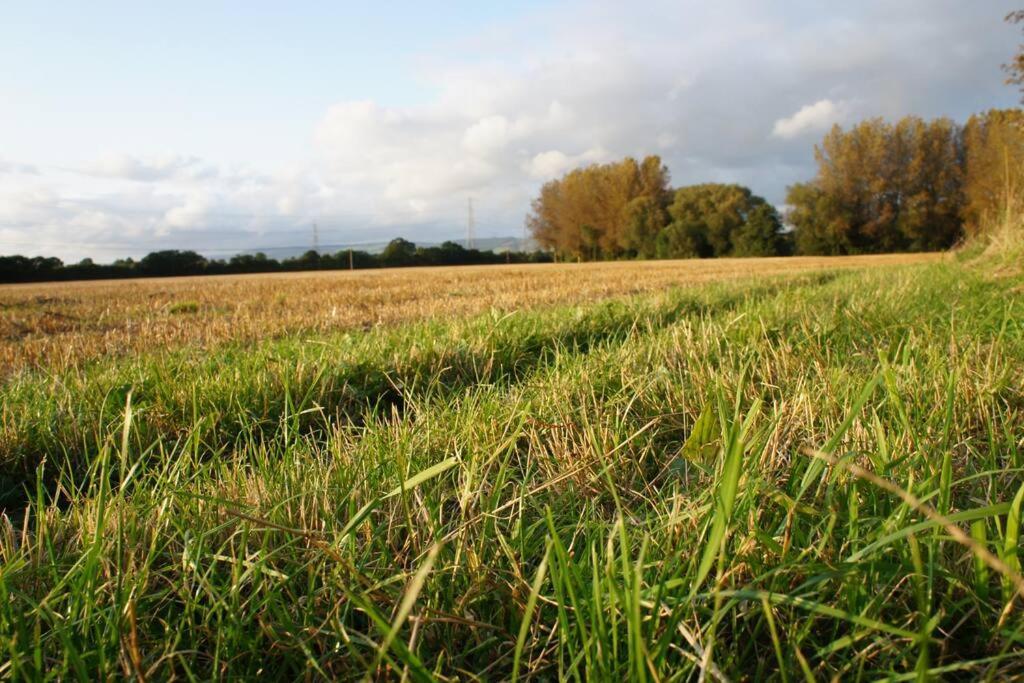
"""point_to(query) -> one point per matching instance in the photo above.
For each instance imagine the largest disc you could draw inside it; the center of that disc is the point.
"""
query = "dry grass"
(58, 326)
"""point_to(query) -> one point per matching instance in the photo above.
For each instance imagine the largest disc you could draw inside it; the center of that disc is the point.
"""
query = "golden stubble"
(59, 326)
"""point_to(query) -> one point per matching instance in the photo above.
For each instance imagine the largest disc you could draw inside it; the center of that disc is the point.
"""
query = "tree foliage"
(715, 220)
(602, 211)
(882, 187)
(172, 262)
(627, 210)
(994, 168)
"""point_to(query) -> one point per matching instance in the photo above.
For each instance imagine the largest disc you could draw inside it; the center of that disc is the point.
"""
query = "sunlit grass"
(673, 485)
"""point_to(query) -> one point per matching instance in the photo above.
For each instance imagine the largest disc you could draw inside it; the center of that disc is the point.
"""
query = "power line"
(470, 226)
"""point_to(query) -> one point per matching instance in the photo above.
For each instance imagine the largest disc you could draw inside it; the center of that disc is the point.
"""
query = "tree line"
(398, 253)
(912, 185)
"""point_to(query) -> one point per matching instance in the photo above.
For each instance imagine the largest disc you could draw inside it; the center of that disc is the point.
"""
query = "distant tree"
(760, 234)
(250, 263)
(172, 262)
(359, 259)
(16, 269)
(453, 254)
(812, 216)
(398, 252)
(309, 260)
(719, 213)
(45, 265)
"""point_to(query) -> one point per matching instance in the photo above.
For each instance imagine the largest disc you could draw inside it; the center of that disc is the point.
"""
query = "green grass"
(658, 488)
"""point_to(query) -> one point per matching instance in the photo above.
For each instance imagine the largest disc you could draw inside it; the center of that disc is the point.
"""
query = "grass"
(795, 476)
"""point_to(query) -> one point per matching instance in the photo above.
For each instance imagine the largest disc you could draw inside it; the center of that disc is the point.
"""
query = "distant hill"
(500, 244)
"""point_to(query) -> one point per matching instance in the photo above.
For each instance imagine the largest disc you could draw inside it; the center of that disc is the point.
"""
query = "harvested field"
(57, 326)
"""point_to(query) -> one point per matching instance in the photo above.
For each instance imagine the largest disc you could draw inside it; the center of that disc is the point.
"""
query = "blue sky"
(126, 127)
(214, 75)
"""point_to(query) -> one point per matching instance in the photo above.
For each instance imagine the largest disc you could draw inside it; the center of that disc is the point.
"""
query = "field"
(56, 325)
(789, 469)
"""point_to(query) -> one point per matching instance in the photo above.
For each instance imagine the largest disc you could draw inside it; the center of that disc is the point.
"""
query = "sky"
(230, 126)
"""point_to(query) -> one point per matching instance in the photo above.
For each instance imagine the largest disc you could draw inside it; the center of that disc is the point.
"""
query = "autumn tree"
(994, 168)
(602, 211)
(882, 187)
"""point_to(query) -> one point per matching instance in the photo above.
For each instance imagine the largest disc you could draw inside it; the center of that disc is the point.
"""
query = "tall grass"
(804, 478)
(1001, 238)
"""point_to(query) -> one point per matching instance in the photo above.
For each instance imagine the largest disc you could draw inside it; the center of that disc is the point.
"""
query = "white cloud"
(191, 214)
(100, 222)
(553, 163)
(487, 135)
(812, 118)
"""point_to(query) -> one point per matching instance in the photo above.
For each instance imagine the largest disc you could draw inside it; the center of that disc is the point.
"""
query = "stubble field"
(56, 325)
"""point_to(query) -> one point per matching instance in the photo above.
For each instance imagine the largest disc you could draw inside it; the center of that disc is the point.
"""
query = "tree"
(46, 265)
(682, 239)
(594, 212)
(16, 269)
(882, 187)
(718, 213)
(810, 213)
(760, 234)
(1015, 68)
(645, 218)
(626, 210)
(994, 173)
(172, 262)
(398, 252)
(929, 178)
